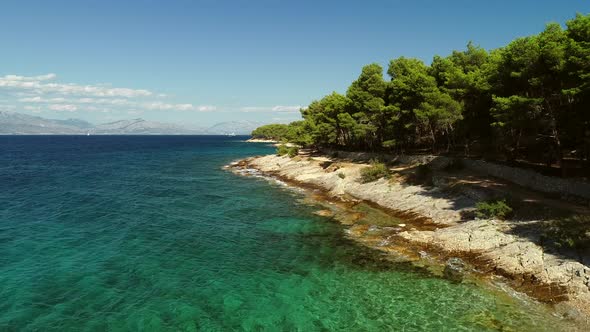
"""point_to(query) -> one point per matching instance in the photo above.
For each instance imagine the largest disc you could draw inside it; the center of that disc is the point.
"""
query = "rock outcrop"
(489, 245)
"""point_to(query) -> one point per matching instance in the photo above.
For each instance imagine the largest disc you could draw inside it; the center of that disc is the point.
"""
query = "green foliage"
(436, 115)
(276, 132)
(493, 209)
(282, 150)
(298, 132)
(529, 99)
(572, 233)
(341, 175)
(390, 144)
(374, 172)
(291, 151)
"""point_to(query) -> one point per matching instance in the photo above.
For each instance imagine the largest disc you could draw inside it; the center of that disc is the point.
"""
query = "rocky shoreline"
(436, 220)
(271, 142)
(260, 140)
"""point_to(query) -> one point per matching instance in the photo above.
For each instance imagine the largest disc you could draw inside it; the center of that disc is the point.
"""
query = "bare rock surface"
(551, 277)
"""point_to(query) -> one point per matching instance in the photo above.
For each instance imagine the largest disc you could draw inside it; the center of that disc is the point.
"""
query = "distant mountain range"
(242, 127)
(13, 123)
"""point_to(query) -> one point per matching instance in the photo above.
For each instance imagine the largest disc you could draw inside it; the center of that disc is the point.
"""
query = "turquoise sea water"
(150, 234)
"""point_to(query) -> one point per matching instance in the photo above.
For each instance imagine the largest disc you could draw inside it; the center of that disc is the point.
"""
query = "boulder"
(454, 269)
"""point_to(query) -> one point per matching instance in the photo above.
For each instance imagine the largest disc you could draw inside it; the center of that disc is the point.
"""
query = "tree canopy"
(527, 100)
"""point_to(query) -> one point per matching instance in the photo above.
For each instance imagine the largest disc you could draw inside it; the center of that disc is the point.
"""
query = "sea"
(151, 233)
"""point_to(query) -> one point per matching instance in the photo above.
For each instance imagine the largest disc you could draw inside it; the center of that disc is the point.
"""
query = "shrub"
(389, 144)
(282, 150)
(291, 151)
(374, 172)
(493, 209)
(341, 175)
(571, 232)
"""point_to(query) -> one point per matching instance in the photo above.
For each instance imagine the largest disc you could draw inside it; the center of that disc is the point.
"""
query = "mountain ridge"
(15, 123)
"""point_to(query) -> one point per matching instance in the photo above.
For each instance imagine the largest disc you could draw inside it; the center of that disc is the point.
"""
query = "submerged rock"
(324, 213)
(452, 227)
(454, 269)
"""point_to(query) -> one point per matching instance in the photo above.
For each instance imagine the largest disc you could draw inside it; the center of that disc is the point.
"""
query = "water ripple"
(149, 233)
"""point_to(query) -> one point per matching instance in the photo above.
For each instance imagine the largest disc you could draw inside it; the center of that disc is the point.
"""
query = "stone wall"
(526, 178)
(531, 179)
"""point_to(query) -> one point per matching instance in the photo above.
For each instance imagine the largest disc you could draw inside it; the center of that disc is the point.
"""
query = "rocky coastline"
(434, 220)
(260, 140)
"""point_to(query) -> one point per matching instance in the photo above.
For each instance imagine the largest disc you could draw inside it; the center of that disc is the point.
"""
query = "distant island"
(13, 123)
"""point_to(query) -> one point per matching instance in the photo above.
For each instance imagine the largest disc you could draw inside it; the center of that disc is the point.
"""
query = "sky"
(198, 63)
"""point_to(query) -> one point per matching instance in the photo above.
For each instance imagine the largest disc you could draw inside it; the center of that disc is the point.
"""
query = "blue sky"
(202, 62)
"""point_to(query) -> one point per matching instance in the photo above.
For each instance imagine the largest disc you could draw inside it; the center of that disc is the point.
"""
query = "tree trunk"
(433, 138)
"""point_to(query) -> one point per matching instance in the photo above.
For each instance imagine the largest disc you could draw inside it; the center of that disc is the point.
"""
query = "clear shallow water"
(150, 234)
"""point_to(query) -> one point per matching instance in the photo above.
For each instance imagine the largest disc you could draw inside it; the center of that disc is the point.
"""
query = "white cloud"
(34, 109)
(43, 92)
(61, 100)
(63, 107)
(30, 78)
(97, 104)
(37, 84)
(278, 108)
(38, 99)
(105, 101)
(160, 106)
(206, 108)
